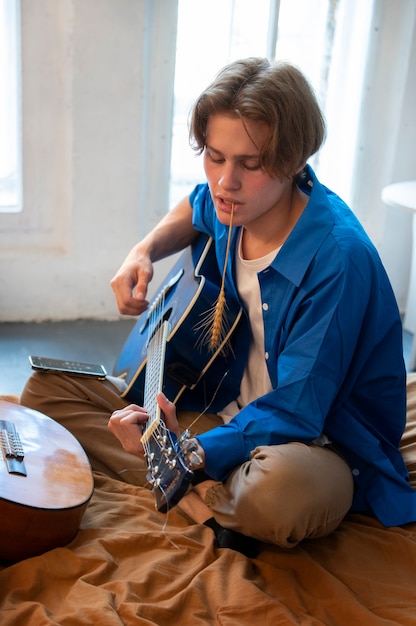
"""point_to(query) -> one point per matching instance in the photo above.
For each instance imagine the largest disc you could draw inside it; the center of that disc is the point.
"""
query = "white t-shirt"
(256, 379)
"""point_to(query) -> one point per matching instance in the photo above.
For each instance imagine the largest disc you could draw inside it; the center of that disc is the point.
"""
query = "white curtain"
(385, 150)
(368, 91)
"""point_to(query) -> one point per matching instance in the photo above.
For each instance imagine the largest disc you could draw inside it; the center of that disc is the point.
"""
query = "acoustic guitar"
(166, 352)
(191, 369)
(168, 472)
(45, 483)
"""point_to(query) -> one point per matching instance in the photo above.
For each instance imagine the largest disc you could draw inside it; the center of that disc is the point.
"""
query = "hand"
(127, 424)
(130, 284)
(173, 233)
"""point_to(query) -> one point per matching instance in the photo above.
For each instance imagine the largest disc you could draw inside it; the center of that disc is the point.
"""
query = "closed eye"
(247, 162)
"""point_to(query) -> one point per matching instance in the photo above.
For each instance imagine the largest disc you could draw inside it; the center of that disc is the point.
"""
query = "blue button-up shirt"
(333, 340)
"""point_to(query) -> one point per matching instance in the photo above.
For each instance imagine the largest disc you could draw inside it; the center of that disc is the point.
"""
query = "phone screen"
(76, 368)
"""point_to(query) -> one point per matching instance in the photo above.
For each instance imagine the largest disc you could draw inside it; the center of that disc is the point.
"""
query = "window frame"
(44, 218)
(11, 10)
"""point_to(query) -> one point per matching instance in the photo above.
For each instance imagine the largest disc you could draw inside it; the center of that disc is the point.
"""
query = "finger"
(140, 290)
(169, 412)
(130, 295)
(126, 425)
(132, 414)
(132, 306)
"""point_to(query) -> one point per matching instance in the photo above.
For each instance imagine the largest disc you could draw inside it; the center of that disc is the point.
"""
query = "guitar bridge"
(12, 448)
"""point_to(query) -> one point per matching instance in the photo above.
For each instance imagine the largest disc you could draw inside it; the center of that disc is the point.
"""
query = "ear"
(298, 171)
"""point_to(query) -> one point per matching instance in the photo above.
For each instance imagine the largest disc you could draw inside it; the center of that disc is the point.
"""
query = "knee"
(271, 481)
(287, 493)
(30, 392)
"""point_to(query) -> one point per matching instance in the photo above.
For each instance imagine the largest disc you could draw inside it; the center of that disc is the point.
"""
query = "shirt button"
(266, 355)
(355, 472)
(265, 306)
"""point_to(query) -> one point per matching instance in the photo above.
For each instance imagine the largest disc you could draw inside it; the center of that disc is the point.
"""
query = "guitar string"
(162, 427)
(188, 431)
(154, 317)
(161, 434)
(159, 485)
(153, 363)
(216, 319)
(149, 376)
(185, 434)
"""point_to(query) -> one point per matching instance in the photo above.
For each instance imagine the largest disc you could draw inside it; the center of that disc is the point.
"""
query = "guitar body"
(192, 288)
(45, 490)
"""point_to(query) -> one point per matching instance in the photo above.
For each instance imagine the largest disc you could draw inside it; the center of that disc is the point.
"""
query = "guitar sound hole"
(167, 314)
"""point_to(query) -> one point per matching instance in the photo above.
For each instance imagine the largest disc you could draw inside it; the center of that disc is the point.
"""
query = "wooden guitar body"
(44, 488)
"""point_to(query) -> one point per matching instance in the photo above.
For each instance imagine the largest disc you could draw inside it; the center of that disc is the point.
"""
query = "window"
(316, 36)
(210, 34)
(10, 159)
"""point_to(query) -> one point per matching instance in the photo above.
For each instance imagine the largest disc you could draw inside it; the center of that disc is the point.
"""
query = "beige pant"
(282, 494)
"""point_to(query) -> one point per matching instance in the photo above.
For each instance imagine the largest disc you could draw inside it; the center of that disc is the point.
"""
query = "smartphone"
(75, 368)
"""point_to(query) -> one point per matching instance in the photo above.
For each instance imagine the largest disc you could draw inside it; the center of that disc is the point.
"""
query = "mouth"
(226, 204)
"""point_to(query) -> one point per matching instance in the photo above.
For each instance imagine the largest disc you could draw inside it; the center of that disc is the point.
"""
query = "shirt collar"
(313, 226)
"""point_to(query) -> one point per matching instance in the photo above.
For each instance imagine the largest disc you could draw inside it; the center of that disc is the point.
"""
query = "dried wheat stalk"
(215, 325)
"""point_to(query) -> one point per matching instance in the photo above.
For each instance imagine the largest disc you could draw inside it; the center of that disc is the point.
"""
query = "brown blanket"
(130, 564)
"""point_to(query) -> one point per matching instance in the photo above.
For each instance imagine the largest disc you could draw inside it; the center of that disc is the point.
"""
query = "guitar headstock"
(168, 472)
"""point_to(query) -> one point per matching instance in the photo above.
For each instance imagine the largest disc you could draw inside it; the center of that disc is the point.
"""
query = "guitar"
(45, 483)
(164, 351)
(168, 472)
(187, 293)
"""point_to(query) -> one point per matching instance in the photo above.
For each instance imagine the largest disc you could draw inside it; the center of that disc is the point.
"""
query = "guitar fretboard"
(154, 378)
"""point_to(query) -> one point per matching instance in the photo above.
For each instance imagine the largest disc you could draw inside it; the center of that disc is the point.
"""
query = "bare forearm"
(173, 233)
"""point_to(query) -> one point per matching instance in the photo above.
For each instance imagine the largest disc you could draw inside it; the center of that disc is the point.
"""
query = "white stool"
(403, 196)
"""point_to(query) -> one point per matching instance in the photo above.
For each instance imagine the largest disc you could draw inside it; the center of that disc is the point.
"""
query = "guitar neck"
(154, 378)
(168, 472)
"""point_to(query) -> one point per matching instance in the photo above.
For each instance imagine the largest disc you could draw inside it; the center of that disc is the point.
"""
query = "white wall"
(97, 97)
(395, 241)
(97, 94)
(387, 135)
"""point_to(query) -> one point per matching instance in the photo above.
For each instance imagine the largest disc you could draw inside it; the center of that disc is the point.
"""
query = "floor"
(90, 341)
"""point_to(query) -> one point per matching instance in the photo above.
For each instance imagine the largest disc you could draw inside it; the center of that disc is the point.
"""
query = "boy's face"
(235, 176)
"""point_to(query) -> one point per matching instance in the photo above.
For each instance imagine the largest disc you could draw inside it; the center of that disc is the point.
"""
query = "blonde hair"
(275, 93)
